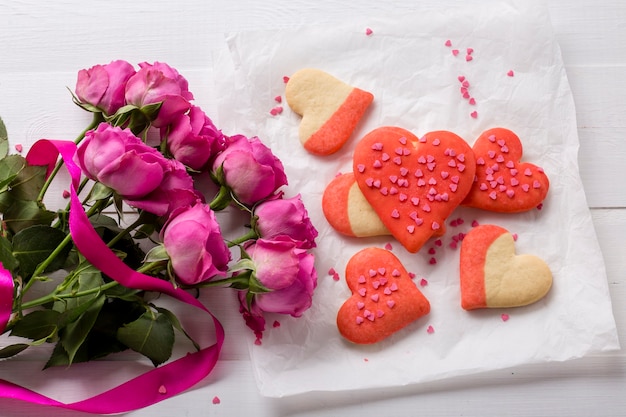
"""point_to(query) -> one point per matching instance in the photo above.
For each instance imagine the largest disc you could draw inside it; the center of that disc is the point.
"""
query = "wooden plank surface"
(43, 44)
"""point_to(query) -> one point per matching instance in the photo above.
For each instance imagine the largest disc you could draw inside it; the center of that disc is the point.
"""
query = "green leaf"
(23, 214)
(33, 245)
(12, 350)
(10, 166)
(38, 325)
(100, 192)
(6, 254)
(152, 335)
(156, 254)
(177, 325)
(28, 182)
(75, 333)
(4, 140)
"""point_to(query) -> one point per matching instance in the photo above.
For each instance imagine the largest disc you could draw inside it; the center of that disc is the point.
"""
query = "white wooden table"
(43, 45)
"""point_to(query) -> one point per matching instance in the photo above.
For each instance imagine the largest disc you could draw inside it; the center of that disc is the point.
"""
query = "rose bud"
(287, 271)
(249, 169)
(193, 139)
(120, 160)
(285, 217)
(194, 243)
(159, 83)
(103, 86)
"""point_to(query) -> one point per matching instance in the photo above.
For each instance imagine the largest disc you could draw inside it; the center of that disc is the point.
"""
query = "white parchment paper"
(413, 75)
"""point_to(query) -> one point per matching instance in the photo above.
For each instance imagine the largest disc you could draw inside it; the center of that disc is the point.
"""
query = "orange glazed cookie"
(503, 183)
(493, 276)
(330, 109)
(384, 298)
(413, 184)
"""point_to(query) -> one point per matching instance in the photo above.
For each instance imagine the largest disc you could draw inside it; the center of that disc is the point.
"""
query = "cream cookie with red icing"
(347, 210)
(330, 109)
(384, 299)
(493, 276)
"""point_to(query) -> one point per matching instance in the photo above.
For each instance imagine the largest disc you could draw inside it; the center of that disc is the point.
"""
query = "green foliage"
(33, 245)
(152, 335)
(4, 140)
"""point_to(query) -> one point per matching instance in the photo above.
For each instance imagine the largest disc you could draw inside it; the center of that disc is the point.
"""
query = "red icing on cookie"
(337, 130)
(380, 305)
(437, 171)
(503, 183)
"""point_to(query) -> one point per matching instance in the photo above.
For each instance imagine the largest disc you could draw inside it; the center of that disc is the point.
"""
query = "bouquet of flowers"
(147, 178)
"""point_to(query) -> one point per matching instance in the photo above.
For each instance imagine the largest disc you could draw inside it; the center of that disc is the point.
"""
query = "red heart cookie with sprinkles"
(493, 276)
(413, 183)
(503, 183)
(384, 298)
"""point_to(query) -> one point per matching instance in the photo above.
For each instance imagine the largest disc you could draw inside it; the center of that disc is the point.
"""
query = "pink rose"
(285, 217)
(249, 169)
(121, 161)
(287, 271)
(103, 86)
(159, 83)
(193, 139)
(175, 190)
(194, 243)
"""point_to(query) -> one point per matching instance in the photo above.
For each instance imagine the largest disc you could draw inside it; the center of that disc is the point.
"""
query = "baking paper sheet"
(413, 75)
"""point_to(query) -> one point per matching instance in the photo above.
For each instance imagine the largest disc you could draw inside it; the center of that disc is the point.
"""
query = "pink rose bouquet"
(140, 220)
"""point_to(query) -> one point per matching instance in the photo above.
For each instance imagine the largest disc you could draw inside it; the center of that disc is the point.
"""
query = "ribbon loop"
(146, 389)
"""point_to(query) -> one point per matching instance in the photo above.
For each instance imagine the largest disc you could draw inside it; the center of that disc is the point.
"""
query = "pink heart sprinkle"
(475, 223)
(515, 237)
(448, 42)
(382, 271)
(372, 273)
(19, 148)
(510, 73)
(468, 58)
(278, 99)
(438, 242)
(410, 229)
(66, 194)
(430, 330)
(474, 114)
(395, 273)
(461, 78)
(528, 172)
(162, 390)
(391, 303)
(470, 51)
(455, 52)
(387, 291)
(362, 292)
(472, 101)
(510, 193)
(362, 279)
(359, 320)
(360, 305)
(216, 400)
(361, 168)
(375, 298)
(505, 317)
(285, 79)
(423, 282)
(380, 313)
(368, 31)
(432, 261)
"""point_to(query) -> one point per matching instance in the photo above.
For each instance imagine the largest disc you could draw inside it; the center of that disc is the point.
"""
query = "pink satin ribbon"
(155, 385)
(6, 297)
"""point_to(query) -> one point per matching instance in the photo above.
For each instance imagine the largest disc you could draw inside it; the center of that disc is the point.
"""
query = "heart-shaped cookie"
(413, 183)
(384, 298)
(493, 276)
(347, 211)
(503, 183)
(330, 109)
